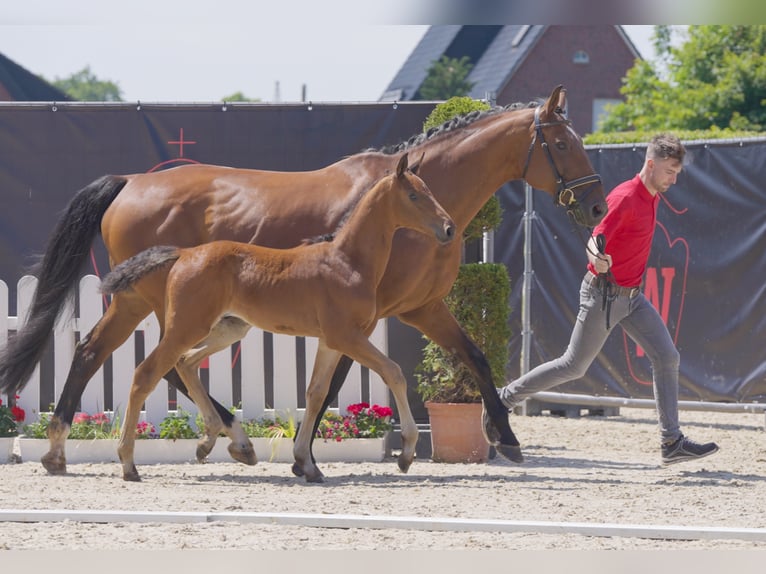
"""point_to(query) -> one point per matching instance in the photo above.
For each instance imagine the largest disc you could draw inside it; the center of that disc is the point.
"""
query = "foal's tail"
(122, 277)
(57, 273)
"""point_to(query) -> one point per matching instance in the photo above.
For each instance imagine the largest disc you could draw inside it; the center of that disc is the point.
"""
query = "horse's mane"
(449, 126)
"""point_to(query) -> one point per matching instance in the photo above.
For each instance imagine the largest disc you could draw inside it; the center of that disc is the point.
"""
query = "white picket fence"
(221, 382)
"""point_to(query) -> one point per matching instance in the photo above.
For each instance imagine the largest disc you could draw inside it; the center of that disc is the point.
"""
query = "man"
(617, 265)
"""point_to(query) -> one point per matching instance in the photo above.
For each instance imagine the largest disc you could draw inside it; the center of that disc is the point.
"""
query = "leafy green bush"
(607, 138)
(177, 425)
(479, 302)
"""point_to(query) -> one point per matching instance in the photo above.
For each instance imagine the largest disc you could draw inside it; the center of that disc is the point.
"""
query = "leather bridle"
(565, 194)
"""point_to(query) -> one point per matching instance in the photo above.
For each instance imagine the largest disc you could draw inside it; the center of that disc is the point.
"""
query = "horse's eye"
(561, 145)
(413, 196)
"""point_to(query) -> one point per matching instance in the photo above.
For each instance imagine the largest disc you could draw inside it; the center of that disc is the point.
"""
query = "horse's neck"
(367, 236)
(465, 168)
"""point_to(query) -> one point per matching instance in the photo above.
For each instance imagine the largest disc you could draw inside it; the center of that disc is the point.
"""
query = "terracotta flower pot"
(456, 432)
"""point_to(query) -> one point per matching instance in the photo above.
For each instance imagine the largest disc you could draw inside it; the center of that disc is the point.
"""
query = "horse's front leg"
(324, 365)
(437, 323)
(365, 353)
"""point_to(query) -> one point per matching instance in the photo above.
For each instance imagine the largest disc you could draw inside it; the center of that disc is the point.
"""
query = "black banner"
(706, 271)
(48, 152)
(705, 276)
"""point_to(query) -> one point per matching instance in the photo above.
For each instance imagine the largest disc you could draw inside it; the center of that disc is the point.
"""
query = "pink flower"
(81, 418)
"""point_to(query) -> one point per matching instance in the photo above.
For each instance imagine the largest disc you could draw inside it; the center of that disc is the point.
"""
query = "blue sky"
(188, 51)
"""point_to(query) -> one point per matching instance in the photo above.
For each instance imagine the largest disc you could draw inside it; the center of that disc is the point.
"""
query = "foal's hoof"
(297, 469)
(512, 453)
(54, 464)
(244, 454)
(404, 463)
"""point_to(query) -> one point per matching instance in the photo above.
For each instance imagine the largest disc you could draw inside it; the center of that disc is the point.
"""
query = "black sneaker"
(684, 449)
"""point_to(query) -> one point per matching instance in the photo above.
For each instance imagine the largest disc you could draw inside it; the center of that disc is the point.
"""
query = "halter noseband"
(565, 196)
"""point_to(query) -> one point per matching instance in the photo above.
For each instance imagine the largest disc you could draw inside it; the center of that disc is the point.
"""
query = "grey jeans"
(641, 321)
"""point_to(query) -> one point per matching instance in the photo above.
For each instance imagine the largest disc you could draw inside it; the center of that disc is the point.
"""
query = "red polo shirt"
(628, 229)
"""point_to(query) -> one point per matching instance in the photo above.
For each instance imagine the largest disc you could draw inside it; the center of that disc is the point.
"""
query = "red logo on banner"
(665, 287)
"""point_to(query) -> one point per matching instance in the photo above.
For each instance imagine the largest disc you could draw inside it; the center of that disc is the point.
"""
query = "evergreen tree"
(446, 79)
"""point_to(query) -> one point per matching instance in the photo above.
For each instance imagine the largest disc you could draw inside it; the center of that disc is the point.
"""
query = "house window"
(581, 57)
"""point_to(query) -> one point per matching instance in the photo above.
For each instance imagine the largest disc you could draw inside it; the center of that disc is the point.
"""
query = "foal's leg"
(324, 364)
(437, 323)
(226, 332)
(365, 353)
(113, 329)
(145, 380)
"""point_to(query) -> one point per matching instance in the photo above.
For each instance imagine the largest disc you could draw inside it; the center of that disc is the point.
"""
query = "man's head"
(664, 161)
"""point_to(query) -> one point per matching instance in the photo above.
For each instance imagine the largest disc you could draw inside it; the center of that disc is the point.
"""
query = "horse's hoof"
(512, 453)
(131, 476)
(404, 463)
(54, 464)
(244, 455)
(315, 479)
(488, 428)
(202, 453)
(297, 469)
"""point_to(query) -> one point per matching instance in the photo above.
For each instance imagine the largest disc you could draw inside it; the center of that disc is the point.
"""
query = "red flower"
(18, 414)
(357, 408)
(382, 412)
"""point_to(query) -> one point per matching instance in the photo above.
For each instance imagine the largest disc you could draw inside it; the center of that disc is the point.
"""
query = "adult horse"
(467, 160)
(326, 289)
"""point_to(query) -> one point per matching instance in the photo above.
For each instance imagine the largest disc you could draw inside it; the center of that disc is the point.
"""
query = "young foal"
(325, 290)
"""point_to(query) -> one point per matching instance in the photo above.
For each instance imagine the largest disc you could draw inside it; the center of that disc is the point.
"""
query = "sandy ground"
(589, 469)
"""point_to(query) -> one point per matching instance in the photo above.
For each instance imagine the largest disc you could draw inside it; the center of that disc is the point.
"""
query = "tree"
(715, 79)
(239, 97)
(84, 86)
(447, 78)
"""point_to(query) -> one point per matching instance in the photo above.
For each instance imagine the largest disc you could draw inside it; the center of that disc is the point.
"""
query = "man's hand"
(602, 262)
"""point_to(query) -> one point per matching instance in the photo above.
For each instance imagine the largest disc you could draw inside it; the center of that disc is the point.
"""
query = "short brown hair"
(666, 146)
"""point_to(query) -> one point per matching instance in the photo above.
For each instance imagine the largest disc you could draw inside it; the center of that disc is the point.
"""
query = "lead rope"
(604, 285)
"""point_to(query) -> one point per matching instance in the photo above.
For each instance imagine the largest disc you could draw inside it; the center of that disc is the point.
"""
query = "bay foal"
(325, 290)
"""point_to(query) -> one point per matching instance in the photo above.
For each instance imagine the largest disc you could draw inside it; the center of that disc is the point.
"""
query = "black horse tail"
(122, 277)
(57, 273)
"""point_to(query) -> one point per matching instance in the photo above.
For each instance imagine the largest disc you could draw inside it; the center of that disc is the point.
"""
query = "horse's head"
(557, 163)
(417, 208)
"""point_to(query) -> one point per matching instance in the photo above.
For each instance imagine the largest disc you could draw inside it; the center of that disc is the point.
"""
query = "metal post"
(526, 328)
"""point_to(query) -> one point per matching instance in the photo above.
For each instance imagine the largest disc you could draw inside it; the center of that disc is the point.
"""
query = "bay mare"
(467, 160)
(325, 290)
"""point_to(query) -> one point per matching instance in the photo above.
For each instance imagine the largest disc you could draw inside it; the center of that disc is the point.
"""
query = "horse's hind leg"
(437, 323)
(226, 332)
(119, 321)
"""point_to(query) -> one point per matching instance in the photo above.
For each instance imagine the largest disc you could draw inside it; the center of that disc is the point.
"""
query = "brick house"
(519, 63)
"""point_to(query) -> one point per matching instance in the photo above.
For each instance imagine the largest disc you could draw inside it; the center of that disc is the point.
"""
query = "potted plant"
(10, 418)
(479, 302)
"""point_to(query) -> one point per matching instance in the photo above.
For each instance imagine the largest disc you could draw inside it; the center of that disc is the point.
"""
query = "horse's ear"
(557, 100)
(416, 166)
(402, 166)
